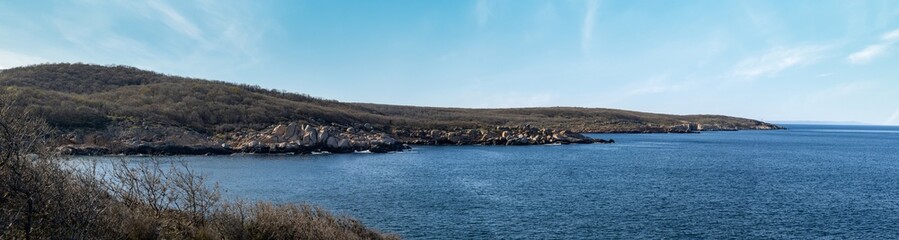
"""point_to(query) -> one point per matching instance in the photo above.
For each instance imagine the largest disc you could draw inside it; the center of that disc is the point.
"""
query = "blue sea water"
(810, 181)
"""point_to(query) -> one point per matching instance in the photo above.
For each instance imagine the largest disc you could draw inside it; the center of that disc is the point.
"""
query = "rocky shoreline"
(142, 138)
(130, 138)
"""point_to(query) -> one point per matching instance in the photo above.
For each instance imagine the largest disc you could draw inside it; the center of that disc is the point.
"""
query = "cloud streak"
(175, 20)
(588, 25)
(891, 36)
(874, 50)
(870, 52)
(777, 60)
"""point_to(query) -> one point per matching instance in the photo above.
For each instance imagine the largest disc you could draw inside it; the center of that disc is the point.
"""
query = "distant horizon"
(811, 122)
(830, 61)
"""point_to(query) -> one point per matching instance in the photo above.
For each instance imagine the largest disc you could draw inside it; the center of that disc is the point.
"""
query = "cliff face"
(119, 109)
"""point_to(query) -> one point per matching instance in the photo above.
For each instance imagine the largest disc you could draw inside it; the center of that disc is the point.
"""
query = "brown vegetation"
(44, 196)
(74, 96)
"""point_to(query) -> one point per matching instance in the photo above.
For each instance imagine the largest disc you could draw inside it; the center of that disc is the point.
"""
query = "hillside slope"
(113, 101)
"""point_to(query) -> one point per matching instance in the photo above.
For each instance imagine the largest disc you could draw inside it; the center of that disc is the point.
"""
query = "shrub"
(45, 196)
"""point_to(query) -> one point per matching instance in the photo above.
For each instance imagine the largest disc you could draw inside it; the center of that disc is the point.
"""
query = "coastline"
(141, 139)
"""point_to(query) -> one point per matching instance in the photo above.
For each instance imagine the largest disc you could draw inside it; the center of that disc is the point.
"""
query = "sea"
(808, 181)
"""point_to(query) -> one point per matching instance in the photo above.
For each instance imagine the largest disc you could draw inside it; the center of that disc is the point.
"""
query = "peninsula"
(124, 110)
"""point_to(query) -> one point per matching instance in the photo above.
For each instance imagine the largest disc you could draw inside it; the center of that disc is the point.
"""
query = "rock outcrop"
(131, 138)
(294, 138)
(682, 127)
(495, 136)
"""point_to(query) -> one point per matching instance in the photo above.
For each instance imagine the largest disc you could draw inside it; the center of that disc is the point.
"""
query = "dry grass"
(42, 196)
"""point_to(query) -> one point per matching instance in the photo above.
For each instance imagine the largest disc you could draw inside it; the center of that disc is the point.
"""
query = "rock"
(455, 138)
(682, 128)
(379, 149)
(324, 135)
(279, 130)
(487, 136)
(291, 131)
(387, 139)
(310, 139)
(332, 142)
(269, 139)
(360, 145)
(344, 144)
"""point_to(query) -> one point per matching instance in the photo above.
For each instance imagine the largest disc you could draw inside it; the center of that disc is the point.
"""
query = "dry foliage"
(92, 96)
(45, 196)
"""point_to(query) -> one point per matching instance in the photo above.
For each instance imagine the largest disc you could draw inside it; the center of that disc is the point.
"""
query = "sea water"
(810, 181)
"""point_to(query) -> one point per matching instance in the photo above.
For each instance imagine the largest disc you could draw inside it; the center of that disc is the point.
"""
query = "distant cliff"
(120, 109)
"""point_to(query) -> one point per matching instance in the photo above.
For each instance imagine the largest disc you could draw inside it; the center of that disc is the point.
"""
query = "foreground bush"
(43, 196)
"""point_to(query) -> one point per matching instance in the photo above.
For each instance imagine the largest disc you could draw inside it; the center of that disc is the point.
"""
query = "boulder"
(455, 138)
(324, 135)
(388, 140)
(291, 131)
(344, 144)
(435, 133)
(310, 139)
(332, 142)
(360, 144)
(380, 148)
(279, 130)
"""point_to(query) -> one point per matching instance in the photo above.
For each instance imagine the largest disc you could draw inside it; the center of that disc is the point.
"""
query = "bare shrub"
(263, 220)
(38, 198)
(45, 196)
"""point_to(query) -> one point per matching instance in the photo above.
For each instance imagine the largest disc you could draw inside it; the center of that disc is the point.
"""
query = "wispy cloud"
(824, 75)
(482, 12)
(175, 20)
(234, 31)
(891, 36)
(777, 60)
(868, 53)
(875, 50)
(589, 23)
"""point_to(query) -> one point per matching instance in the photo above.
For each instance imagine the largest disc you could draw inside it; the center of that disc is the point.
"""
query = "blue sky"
(770, 60)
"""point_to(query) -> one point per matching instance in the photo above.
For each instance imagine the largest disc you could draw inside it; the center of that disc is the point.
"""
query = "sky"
(797, 60)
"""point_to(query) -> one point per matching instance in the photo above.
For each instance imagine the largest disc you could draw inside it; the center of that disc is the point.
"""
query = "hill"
(117, 104)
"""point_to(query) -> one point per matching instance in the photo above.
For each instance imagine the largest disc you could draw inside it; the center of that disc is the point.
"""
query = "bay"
(810, 181)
